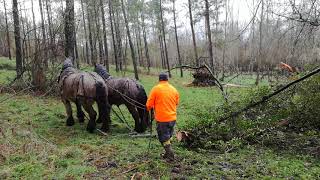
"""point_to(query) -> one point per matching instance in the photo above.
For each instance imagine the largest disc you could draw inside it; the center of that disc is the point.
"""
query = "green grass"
(36, 143)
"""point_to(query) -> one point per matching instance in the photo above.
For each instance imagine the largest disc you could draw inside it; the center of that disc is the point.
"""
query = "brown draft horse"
(84, 89)
(128, 92)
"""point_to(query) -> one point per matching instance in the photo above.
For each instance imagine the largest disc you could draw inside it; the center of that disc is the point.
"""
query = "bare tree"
(69, 29)
(105, 41)
(7, 29)
(176, 34)
(85, 34)
(208, 32)
(112, 33)
(260, 42)
(225, 40)
(43, 42)
(164, 39)
(193, 34)
(15, 12)
(133, 56)
(93, 56)
(98, 34)
(146, 49)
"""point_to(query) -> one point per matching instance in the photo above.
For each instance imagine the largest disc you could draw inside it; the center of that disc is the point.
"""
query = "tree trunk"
(23, 47)
(125, 54)
(163, 59)
(146, 49)
(105, 41)
(193, 34)
(69, 29)
(260, 43)
(112, 33)
(133, 56)
(177, 39)
(164, 39)
(17, 38)
(208, 32)
(48, 8)
(7, 29)
(97, 20)
(138, 39)
(43, 42)
(118, 41)
(225, 40)
(76, 53)
(52, 36)
(85, 34)
(136, 32)
(93, 59)
(28, 43)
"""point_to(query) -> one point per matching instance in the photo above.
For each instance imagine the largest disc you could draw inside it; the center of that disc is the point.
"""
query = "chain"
(125, 97)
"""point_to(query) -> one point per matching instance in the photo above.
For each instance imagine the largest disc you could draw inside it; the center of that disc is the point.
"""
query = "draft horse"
(84, 89)
(130, 93)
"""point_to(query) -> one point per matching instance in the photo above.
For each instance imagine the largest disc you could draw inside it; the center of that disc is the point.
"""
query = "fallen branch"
(142, 135)
(4, 99)
(133, 168)
(234, 77)
(103, 133)
(266, 98)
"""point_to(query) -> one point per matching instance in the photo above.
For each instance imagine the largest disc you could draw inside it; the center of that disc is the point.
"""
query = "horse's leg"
(134, 113)
(80, 113)
(92, 113)
(107, 120)
(144, 118)
(70, 121)
(101, 111)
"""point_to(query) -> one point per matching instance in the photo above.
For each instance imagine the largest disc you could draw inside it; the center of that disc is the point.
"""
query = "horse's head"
(102, 71)
(145, 118)
(67, 63)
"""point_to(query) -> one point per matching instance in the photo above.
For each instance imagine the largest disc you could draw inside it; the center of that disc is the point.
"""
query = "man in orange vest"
(164, 99)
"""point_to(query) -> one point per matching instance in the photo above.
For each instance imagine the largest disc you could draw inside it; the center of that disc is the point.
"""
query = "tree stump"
(202, 77)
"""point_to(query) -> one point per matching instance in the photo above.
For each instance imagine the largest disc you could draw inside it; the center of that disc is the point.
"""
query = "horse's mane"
(67, 69)
(101, 70)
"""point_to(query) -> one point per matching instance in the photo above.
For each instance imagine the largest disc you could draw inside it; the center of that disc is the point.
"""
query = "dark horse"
(84, 89)
(130, 93)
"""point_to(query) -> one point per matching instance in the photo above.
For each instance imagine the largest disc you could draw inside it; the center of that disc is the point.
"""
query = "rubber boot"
(169, 155)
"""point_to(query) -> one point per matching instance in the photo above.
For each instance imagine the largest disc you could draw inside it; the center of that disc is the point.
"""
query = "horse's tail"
(142, 100)
(101, 97)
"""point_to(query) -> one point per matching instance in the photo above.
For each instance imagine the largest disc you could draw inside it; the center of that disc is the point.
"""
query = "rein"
(125, 97)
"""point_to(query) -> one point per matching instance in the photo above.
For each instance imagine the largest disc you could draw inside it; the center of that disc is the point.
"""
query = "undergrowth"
(295, 110)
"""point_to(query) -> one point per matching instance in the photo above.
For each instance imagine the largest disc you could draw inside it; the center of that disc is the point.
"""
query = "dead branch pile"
(202, 77)
(297, 104)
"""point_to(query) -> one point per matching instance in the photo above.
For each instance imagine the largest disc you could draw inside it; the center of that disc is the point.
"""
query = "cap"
(163, 76)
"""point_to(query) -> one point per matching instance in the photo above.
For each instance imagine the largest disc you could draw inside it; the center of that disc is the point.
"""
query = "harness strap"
(127, 98)
(84, 92)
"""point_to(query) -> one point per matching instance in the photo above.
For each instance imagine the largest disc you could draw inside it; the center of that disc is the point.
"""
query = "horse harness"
(65, 74)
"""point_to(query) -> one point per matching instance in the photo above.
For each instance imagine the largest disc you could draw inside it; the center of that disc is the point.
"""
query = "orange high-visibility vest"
(164, 99)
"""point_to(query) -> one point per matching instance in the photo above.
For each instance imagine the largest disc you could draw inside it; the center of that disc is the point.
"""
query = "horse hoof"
(105, 129)
(139, 130)
(91, 128)
(99, 120)
(70, 121)
(81, 120)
